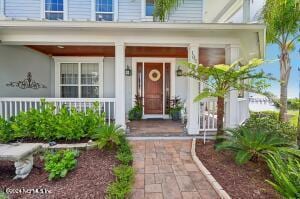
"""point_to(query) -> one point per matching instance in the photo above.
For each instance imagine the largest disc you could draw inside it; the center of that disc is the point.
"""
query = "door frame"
(143, 60)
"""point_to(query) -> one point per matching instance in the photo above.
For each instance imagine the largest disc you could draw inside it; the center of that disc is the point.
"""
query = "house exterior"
(77, 52)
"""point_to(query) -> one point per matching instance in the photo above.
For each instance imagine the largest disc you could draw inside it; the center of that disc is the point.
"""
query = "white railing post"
(1, 110)
(192, 92)
(120, 83)
(232, 54)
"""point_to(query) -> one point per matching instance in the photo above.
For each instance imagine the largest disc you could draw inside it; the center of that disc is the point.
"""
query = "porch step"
(186, 137)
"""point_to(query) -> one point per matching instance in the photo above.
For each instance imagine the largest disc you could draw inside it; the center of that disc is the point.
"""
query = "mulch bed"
(245, 181)
(89, 179)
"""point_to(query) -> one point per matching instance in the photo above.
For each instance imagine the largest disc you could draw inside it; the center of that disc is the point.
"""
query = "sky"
(272, 52)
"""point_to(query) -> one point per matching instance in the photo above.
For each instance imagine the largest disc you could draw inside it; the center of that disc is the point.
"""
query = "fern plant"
(108, 136)
(286, 174)
(251, 145)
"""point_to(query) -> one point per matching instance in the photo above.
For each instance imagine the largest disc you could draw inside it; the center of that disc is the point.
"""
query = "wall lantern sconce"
(179, 72)
(127, 71)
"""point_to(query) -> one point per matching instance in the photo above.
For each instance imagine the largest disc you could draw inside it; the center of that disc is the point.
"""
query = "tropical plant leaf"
(242, 157)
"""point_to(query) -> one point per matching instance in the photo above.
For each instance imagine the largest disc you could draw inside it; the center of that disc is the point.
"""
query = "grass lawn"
(294, 118)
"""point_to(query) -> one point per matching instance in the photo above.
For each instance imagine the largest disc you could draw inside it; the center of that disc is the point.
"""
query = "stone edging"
(218, 188)
(70, 146)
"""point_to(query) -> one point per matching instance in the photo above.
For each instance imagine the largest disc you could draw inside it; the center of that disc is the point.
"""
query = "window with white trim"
(80, 79)
(149, 8)
(54, 9)
(104, 10)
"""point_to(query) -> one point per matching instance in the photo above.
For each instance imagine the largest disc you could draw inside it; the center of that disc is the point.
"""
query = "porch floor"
(155, 127)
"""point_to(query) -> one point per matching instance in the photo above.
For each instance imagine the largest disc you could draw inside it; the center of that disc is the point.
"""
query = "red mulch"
(245, 181)
(88, 180)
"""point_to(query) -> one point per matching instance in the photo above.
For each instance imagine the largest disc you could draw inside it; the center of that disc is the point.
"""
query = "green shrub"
(124, 154)
(118, 190)
(69, 125)
(108, 136)
(92, 120)
(59, 163)
(293, 104)
(251, 145)
(267, 121)
(6, 133)
(124, 173)
(286, 174)
(45, 125)
(123, 185)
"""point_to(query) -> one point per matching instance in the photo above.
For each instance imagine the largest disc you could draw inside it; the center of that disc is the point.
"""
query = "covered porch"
(80, 68)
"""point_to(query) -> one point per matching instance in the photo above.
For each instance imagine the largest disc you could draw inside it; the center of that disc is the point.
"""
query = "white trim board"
(172, 62)
(79, 60)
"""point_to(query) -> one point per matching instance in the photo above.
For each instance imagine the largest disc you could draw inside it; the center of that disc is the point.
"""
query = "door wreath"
(154, 75)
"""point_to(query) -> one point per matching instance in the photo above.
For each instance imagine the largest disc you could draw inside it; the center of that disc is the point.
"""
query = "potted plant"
(175, 108)
(136, 113)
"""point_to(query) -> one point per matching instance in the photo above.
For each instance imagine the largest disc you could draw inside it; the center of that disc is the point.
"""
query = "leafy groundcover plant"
(59, 163)
(49, 124)
(251, 145)
(286, 174)
(113, 137)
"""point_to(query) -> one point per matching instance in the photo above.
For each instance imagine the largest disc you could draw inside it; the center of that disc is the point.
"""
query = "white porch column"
(232, 54)
(120, 83)
(192, 92)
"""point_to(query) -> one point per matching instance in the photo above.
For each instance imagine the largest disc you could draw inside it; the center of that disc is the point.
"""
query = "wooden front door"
(153, 88)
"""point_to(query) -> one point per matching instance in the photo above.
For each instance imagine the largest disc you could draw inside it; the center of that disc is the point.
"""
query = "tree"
(221, 79)
(164, 7)
(282, 19)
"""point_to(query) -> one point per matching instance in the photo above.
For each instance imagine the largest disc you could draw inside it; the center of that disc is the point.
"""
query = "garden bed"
(89, 180)
(245, 181)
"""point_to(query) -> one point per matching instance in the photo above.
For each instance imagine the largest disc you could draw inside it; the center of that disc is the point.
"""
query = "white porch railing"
(207, 114)
(207, 117)
(13, 106)
(243, 110)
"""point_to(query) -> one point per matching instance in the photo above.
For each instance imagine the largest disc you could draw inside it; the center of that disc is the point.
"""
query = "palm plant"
(286, 174)
(251, 145)
(164, 7)
(221, 79)
(108, 136)
(282, 18)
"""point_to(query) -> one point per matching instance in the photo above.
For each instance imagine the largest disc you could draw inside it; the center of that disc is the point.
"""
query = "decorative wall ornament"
(26, 83)
(154, 75)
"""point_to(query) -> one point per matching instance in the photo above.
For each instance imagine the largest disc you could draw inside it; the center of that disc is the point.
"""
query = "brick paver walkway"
(165, 170)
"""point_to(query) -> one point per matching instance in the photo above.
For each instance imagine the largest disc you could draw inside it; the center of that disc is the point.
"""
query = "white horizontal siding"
(129, 10)
(189, 11)
(23, 9)
(79, 9)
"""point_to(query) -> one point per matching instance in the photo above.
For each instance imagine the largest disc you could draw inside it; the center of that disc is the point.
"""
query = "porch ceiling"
(109, 51)
(106, 51)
